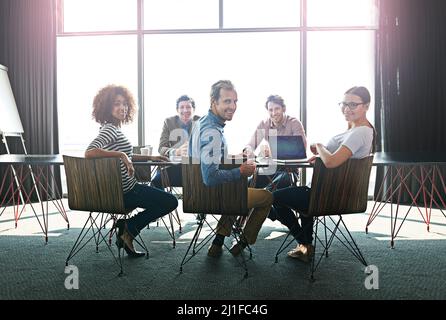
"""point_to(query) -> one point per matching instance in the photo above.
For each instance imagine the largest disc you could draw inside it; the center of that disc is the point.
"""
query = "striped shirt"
(111, 138)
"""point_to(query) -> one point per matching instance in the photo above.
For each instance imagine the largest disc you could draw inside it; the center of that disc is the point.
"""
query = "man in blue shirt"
(208, 145)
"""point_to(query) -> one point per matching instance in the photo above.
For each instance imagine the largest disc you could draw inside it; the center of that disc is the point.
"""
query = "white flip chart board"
(9, 116)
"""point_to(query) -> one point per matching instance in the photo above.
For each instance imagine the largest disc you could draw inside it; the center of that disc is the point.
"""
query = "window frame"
(140, 32)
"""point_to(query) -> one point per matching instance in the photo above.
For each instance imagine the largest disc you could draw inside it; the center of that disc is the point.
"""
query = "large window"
(162, 49)
(261, 13)
(342, 13)
(98, 15)
(259, 64)
(337, 61)
(180, 14)
(85, 64)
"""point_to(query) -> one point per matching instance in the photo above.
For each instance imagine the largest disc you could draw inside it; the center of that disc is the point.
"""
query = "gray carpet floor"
(414, 269)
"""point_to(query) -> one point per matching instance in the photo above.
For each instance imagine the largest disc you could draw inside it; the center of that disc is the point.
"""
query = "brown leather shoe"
(237, 248)
(303, 252)
(215, 251)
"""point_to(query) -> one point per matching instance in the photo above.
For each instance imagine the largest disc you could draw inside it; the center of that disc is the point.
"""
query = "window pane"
(190, 64)
(342, 13)
(99, 15)
(84, 65)
(180, 14)
(261, 13)
(334, 67)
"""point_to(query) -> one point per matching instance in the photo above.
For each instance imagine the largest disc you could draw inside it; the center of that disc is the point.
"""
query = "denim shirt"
(207, 145)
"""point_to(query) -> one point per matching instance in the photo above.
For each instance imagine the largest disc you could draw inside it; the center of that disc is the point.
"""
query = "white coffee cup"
(146, 151)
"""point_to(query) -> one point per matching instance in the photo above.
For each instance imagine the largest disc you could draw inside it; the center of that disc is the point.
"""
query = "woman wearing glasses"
(357, 142)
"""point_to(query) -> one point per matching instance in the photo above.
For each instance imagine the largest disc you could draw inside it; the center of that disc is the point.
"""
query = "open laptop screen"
(288, 148)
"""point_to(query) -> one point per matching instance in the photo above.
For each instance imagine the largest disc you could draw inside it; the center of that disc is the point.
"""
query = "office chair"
(95, 185)
(335, 192)
(225, 199)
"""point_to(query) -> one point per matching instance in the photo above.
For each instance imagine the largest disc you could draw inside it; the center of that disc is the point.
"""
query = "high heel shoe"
(133, 253)
(124, 240)
(128, 246)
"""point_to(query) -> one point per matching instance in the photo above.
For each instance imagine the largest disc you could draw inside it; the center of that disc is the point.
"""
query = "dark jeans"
(297, 198)
(156, 203)
(174, 174)
(276, 181)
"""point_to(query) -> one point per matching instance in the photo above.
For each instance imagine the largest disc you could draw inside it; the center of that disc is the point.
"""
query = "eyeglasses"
(350, 105)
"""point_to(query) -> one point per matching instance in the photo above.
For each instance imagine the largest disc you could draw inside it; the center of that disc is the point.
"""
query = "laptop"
(288, 149)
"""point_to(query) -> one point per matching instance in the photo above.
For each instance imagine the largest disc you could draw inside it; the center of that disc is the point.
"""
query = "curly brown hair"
(103, 104)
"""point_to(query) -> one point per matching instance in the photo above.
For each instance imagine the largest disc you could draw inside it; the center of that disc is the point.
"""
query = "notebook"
(289, 149)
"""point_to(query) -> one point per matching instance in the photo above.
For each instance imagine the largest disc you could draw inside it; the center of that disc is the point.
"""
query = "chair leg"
(196, 245)
(118, 259)
(178, 220)
(97, 235)
(344, 237)
(313, 268)
(355, 248)
(112, 231)
(326, 240)
(237, 231)
(284, 245)
(237, 237)
(142, 244)
(170, 228)
(200, 221)
(75, 249)
(120, 254)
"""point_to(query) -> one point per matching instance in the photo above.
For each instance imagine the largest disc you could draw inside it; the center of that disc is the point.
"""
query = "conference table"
(401, 170)
(33, 176)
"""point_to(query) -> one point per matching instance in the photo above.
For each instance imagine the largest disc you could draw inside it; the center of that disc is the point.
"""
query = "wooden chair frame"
(337, 191)
(225, 199)
(95, 185)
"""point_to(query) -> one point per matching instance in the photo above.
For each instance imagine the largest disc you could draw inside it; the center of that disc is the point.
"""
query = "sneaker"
(237, 248)
(215, 251)
(302, 252)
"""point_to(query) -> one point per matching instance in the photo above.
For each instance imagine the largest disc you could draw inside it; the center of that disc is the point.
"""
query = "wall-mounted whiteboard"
(9, 116)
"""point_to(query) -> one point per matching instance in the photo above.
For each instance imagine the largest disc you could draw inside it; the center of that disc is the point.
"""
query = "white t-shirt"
(359, 140)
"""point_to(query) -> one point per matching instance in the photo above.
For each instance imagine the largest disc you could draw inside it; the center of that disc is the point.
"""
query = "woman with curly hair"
(113, 106)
